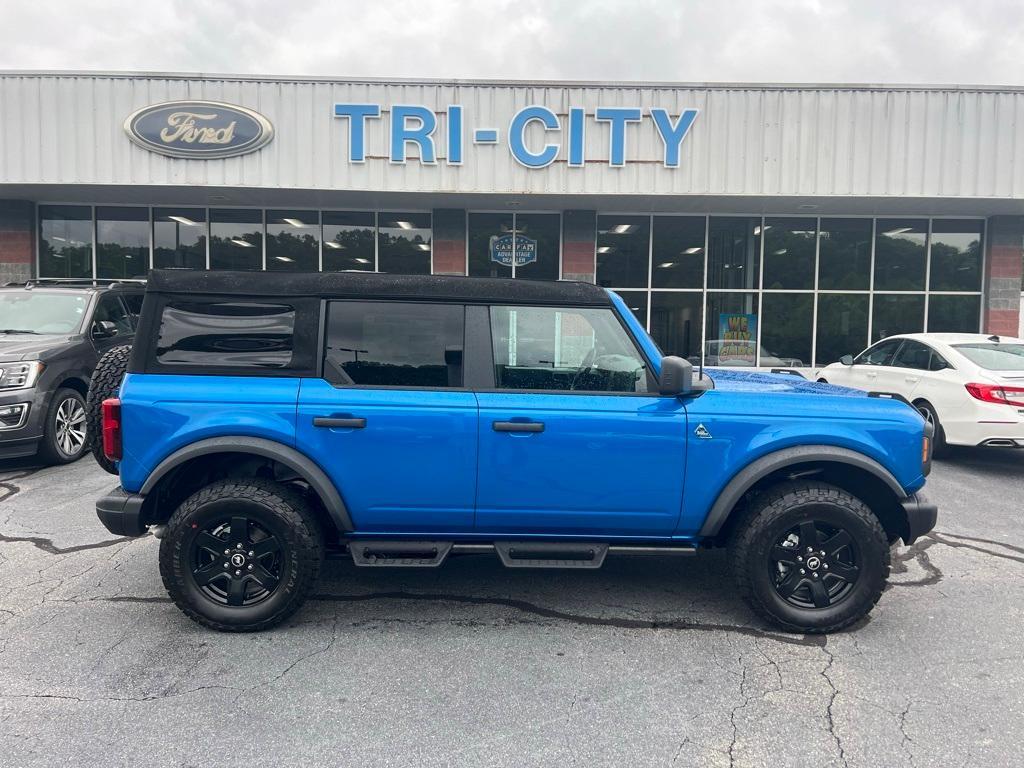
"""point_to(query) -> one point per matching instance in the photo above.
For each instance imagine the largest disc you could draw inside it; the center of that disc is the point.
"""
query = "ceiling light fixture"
(604, 249)
(241, 242)
(692, 251)
(284, 258)
(184, 220)
(360, 260)
(622, 229)
(333, 244)
(898, 231)
(295, 222)
(423, 246)
(405, 225)
(666, 264)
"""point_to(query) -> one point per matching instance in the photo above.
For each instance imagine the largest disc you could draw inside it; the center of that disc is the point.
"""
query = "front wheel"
(241, 555)
(65, 437)
(810, 557)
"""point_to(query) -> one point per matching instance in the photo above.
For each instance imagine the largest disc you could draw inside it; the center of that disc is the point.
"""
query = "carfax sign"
(505, 250)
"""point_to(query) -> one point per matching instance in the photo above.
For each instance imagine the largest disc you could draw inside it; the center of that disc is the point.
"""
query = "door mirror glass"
(676, 377)
(846, 359)
(104, 329)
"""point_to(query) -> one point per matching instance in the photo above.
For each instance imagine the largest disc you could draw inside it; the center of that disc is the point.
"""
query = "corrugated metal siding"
(747, 141)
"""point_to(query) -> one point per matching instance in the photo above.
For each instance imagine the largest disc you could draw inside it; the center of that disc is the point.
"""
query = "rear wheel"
(241, 555)
(810, 557)
(940, 447)
(105, 383)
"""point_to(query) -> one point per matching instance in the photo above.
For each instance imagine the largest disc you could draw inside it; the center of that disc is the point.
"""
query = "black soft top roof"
(375, 285)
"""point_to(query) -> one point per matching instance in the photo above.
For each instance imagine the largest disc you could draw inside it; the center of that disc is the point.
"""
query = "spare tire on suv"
(106, 381)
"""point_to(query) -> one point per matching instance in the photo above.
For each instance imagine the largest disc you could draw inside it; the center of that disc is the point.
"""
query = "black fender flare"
(757, 470)
(298, 462)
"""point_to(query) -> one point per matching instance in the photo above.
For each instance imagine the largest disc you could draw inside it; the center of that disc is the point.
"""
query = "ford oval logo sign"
(200, 130)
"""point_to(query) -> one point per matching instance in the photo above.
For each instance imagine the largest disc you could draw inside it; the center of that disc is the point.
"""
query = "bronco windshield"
(42, 312)
(994, 357)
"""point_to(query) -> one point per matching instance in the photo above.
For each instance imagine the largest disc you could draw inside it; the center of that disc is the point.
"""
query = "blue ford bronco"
(263, 421)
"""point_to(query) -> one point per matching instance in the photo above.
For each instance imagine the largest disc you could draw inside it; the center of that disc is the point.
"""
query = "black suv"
(52, 332)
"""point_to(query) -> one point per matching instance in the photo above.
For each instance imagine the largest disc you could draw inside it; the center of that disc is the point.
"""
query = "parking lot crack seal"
(46, 545)
(831, 702)
(960, 542)
(593, 621)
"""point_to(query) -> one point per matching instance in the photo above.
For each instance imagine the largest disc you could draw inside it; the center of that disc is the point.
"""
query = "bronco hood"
(732, 380)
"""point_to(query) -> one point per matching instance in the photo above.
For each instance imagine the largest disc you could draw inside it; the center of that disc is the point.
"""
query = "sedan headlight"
(20, 375)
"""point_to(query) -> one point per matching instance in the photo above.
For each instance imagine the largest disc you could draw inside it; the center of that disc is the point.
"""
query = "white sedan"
(969, 385)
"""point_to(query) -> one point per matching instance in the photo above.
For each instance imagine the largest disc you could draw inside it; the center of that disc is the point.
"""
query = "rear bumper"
(121, 512)
(921, 516)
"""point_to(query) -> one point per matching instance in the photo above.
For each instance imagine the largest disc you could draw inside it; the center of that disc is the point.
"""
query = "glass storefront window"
(122, 242)
(788, 327)
(293, 241)
(65, 241)
(842, 326)
(953, 314)
(896, 313)
(404, 243)
(734, 252)
(538, 245)
(349, 241)
(789, 253)
(844, 255)
(623, 251)
(236, 239)
(900, 254)
(678, 252)
(179, 238)
(676, 322)
(731, 332)
(956, 255)
(489, 235)
(637, 303)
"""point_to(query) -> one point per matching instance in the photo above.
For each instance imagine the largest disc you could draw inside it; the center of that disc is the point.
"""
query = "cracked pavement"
(650, 661)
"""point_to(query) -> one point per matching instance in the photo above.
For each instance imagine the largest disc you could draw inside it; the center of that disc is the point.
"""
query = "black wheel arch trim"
(301, 464)
(760, 468)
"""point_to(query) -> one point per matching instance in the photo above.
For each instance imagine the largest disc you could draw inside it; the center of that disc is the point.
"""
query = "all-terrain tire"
(275, 508)
(777, 516)
(105, 383)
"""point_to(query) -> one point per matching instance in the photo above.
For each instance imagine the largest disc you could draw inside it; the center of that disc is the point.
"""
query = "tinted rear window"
(394, 344)
(226, 335)
(994, 357)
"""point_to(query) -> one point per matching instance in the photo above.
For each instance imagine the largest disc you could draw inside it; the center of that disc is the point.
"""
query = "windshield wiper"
(18, 330)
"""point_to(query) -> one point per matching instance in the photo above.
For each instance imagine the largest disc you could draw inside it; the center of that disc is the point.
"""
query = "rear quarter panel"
(744, 426)
(162, 413)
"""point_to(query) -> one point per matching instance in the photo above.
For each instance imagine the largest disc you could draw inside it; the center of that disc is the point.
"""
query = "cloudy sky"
(884, 41)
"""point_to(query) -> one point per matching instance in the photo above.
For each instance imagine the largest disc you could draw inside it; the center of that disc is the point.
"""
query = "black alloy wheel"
(814, 565)
(236, 562)
(809, 557)
(241, 554)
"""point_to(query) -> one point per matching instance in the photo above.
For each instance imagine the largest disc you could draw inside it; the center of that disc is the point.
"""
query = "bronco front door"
(572, 440)
(390, 421)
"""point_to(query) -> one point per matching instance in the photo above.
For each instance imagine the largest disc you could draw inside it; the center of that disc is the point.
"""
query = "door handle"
(346, 422)
(912, 379)
(518, 426)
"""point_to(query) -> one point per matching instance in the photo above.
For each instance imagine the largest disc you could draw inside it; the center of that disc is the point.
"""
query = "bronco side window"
(564, 350)
(394, 344)
(226, 335)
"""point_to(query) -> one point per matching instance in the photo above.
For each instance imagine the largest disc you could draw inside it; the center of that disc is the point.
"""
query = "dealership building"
(779, 225)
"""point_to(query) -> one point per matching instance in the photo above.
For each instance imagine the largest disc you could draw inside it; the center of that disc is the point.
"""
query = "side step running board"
(555, 554)
(399, 554)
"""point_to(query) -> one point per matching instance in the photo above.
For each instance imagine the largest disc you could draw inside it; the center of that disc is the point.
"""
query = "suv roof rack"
(75, 282)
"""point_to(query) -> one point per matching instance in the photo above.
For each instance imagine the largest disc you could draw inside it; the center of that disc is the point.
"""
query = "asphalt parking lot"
(650, 661)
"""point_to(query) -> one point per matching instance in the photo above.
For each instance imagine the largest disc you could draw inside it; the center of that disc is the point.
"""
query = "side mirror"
(103, 329)
(676, 377)
(846, 359)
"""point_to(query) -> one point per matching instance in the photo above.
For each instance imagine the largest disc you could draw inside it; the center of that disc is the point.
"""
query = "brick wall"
(449, 241)
(579, 239)
(1004, 269)
(17, 240)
